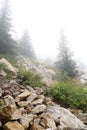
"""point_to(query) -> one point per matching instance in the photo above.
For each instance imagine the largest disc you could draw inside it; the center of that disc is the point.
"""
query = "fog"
(44, 20)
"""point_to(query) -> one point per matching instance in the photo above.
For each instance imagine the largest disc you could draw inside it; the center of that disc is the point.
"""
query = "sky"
(44, 20)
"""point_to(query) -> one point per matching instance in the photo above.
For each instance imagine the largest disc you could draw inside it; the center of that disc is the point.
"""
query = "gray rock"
(23, 95)
(13, 126)
(16, 115)
(9, 100)
(31, 97)
(83, 117)
(38, 109)
(67, 119)
(26, 119)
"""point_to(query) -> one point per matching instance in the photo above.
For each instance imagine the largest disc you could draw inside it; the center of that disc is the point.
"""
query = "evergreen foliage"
(65, 64)
(25, 47)
(7, 44)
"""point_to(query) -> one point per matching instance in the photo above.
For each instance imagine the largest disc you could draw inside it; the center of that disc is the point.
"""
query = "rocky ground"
(25, 108)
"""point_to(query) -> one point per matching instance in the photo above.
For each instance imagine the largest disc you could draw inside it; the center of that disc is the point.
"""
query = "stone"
(6, 113)
(13, 125)
(13, 82)
(36, 126)
(25, 120)
(16, 115)
(31, 97)
(67, 119)
(2, 73)
(22, 103)
(37, 101)
(39, 109)
(83, 117)
(30, 89)
(23, 95)
(49, 122)
(12, 69)
(9, 100)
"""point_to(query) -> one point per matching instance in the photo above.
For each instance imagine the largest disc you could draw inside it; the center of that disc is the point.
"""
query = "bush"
(69, 94)
(30, 78)
(2, 66)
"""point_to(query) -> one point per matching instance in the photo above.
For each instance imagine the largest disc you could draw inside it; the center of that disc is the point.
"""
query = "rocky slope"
(25, 108)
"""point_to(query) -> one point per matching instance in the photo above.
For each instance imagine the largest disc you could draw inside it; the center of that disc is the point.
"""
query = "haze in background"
(45, 18)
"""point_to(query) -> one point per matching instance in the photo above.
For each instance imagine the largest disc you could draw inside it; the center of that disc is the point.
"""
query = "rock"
(83, 117)
(9, 100)
(22, 103)
(39, 109)
(12, 82)
(30, 89)
(39, 90)
(67, 119)
(37, 101)
(49, 122)
(2, 73)
(12, 69)
(23, 95)
(32, 97)
(6, 113)
(26, 119)
(36, 126)
(16, 115)
(14, 125)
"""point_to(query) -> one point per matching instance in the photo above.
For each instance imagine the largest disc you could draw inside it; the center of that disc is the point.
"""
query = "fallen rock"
(12, 69)
(37, 101)
(9, 100)
(23, 95)
(16, 115)
(6, 113)
(67, 119)
(22, 103)
(83, 117)
(13, 125)
(25, 120)
(36, 126)
(38, 109)
(2, 73)
(31, 97)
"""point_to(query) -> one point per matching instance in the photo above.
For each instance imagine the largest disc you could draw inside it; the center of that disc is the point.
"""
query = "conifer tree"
(65, 63)
(7, 44)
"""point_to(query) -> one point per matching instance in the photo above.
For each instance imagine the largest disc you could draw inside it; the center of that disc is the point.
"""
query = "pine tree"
(26, 47)
(65, 64)
(6, 42)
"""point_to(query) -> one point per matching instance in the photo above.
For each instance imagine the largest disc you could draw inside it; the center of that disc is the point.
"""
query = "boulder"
(36, 126)
(26, 119)
(22, 103)
(9, 100)
(2, 73)
(12, 69)
(37, 101)
(39, 109)
(83, 117)
(32, 97)
(67, 119)
(13, 125)
(16, 115)
(6, 113)
(23, 95)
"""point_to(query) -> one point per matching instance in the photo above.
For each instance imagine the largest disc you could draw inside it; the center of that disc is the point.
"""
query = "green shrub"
(69, 94)
(2, 66)
(29, 78)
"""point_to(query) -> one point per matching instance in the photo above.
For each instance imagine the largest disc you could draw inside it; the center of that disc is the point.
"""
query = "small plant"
(69, 94)
(30, 78)
(2, 66)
